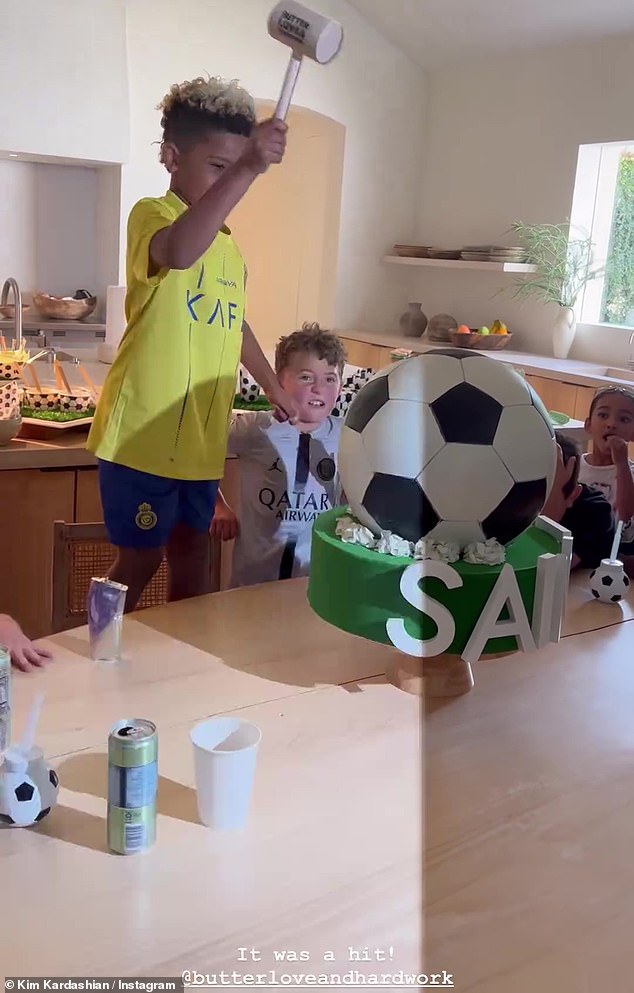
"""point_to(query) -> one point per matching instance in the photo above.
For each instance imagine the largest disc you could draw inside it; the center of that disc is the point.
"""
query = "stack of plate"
(412, 251)
(444, 253)
(493, 253)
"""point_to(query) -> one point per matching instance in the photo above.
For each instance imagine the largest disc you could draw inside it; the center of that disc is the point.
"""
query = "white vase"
(564, 330)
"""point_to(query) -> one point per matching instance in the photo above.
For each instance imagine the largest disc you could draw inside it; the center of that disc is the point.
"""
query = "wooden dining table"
(329, 866)
(484, 838)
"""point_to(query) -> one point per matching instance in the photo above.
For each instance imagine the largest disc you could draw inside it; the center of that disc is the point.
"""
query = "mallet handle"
(288, 87)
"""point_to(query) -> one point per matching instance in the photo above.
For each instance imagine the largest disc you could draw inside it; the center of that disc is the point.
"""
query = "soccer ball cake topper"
(450, 445)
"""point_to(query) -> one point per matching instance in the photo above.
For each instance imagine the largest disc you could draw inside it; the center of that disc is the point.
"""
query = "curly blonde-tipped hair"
(315, 340)
(197, 106)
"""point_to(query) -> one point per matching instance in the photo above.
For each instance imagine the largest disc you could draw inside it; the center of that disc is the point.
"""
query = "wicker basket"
(484, 342)
(58, 309)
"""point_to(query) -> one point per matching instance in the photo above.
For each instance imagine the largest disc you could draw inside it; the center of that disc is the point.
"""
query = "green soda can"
(5, 698)
(132, 786)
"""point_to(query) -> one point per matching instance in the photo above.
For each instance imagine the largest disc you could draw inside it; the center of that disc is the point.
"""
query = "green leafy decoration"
(61, 416)
(563, 265)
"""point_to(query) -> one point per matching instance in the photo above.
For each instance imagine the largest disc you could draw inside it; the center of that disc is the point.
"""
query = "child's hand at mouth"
(618, 449)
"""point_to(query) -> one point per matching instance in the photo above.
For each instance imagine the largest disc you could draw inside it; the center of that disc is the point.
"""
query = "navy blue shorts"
(141, 510)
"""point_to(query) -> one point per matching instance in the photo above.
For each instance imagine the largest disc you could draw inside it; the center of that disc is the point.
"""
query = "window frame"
(593, 212)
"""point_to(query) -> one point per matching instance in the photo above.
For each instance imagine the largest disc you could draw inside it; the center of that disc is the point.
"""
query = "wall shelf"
(516, 267)
(44, 324)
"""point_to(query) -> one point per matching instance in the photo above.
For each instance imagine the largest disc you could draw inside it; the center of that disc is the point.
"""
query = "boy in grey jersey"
(288, 472)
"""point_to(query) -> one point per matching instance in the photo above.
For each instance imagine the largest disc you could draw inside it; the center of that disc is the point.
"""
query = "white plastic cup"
(225, 753)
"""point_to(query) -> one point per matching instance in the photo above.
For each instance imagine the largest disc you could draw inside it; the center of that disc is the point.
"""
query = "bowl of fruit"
(495, 337)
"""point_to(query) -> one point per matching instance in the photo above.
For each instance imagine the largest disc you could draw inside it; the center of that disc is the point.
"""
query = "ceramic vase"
(564, 330)
(413, 322)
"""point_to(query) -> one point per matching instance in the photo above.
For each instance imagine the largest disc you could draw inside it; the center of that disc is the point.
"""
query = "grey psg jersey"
(287, 478)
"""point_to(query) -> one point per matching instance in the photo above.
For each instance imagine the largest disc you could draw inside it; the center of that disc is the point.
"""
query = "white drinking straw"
(28, 737)
(617, 541)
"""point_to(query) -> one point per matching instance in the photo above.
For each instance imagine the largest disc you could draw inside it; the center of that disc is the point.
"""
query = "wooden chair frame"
(65, 536)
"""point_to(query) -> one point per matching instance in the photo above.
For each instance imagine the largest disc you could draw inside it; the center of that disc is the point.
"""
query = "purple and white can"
(106, 606)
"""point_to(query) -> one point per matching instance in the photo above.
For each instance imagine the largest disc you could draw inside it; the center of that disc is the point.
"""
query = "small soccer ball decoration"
(249, 388)
(28, 788)
(608, 582)
(10, 399)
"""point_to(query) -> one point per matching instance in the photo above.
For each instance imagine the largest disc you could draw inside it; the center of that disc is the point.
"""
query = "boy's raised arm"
(181, 244)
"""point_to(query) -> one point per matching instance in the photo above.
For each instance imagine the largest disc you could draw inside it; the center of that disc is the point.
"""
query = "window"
(603, 205)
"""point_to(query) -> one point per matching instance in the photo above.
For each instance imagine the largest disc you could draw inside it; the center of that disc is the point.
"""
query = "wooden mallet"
(308, 35)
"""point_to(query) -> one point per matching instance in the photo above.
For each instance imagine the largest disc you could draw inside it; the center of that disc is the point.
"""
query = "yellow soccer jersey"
(166, 403)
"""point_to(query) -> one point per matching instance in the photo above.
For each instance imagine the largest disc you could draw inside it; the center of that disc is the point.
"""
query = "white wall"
(58, 227)
(501, 144)
(17, 222)
(374, 90)
(63, 79)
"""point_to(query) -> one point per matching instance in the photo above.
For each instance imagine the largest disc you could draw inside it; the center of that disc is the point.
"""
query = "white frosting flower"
(344, 524)
(439, 551)
(393, 544)
(489, 552)
(354, 533)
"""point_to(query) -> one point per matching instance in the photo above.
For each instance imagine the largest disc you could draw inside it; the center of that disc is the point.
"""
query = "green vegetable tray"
(44, 423)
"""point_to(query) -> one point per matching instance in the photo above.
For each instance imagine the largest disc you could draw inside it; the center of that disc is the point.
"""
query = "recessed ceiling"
(436, 33)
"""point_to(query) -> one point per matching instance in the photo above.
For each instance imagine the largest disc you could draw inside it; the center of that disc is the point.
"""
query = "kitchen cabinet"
(566, 397)
(32, 500)
(583, 401)
(555, 395)
(366, 355)
(88, 509)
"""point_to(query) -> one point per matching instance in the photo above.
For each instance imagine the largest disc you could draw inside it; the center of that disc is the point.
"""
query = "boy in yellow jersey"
(161, 425)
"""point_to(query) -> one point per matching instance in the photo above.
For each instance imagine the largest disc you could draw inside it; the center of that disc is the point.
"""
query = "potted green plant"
(563, 267)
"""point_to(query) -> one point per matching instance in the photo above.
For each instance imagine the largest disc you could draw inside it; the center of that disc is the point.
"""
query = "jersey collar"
(182, 205)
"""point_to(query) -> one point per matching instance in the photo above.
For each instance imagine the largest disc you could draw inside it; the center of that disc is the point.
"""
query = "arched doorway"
(287, 227)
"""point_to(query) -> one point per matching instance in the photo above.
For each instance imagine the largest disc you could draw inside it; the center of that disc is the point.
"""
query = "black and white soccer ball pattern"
(609, 586)
(350, 386)
(450, 445)
(249, 389)
(10, 398)
(26, 798)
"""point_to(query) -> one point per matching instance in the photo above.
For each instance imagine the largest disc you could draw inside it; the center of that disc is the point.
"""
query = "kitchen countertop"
(563, 370)
(67, 452)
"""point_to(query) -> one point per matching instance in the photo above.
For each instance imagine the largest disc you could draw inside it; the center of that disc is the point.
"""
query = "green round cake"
(359, 590)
